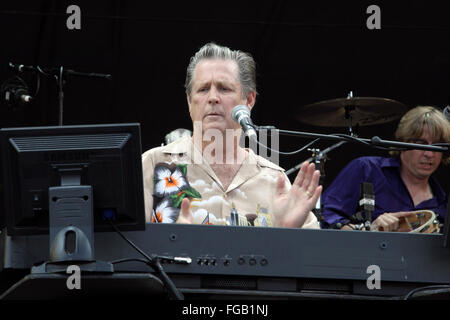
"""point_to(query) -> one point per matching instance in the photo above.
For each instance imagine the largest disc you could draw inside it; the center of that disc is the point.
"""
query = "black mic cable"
(155, 264)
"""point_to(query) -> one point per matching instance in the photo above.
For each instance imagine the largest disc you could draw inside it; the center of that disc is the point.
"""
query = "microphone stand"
(60, 86)
(60, 75)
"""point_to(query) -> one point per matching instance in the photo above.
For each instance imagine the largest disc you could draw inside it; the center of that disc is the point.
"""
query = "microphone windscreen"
(366, 189)
(236, 110)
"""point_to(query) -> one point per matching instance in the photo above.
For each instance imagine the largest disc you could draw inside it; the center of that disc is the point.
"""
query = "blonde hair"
(411, 126)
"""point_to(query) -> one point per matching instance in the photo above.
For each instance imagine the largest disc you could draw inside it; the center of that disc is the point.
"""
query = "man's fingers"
(301, 174)
(306, 177)
(280, 184)
(316, 194)
(402, 214)
(315, 179)
(390, 221)
(386, 224)
(309, 175)
(185, 212)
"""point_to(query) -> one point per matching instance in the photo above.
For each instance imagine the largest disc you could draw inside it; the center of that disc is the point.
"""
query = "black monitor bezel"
(10, 208)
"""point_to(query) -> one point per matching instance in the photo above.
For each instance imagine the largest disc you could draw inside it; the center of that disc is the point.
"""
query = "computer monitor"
(72, 161)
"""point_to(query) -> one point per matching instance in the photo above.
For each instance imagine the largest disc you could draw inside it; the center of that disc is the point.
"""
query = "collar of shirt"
(184, 151)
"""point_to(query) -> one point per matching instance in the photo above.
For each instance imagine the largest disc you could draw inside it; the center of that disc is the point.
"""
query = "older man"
(209, 178)
(402, 184)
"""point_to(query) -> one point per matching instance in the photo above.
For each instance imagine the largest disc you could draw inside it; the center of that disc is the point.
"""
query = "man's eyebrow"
(201, 84)
(221, 82)
(226, 83)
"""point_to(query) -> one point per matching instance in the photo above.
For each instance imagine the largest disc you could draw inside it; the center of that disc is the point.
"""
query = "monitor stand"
(71, 226)
(72, 243)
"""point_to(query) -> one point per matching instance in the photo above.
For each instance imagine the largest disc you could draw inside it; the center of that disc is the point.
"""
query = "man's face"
(421, 163)
(215, 92)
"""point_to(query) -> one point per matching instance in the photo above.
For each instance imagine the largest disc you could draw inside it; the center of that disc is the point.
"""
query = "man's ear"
(251, 99)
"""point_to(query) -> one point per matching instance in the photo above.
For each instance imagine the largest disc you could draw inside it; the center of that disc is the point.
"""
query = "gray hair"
(246, 65)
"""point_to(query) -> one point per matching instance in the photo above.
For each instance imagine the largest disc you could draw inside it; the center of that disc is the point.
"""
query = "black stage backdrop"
(305, 53)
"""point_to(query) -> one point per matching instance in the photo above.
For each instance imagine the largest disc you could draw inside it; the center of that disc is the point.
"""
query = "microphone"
(241, 115)
(18, 96)
(447, 112)
(22, 96)
(14, 92)
(366, 203)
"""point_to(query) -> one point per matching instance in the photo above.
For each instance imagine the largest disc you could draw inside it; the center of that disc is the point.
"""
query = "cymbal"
(362, 111)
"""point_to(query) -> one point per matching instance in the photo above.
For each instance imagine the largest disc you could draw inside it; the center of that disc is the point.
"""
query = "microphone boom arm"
(374, 141)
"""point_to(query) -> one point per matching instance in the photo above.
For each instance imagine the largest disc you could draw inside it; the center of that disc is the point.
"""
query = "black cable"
(287, 153)
(158, 268)
(43, 72)
(412, 292)
(129, 260)
(154, 264)
(349, 225)
(351, 138)
(340, 135)
(38, 84)
(368, 144)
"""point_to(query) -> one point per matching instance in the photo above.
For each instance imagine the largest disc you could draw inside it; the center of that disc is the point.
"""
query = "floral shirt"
(178, 170)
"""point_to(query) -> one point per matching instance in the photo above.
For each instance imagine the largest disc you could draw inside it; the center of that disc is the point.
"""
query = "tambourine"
(423, 221)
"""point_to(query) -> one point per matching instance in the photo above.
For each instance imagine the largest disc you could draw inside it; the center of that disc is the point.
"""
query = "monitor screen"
(105, 157)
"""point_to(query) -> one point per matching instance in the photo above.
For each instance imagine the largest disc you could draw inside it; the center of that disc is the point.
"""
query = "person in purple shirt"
(401, 184)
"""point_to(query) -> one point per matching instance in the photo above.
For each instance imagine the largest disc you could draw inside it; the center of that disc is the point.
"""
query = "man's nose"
(428, 153)
(213, 97)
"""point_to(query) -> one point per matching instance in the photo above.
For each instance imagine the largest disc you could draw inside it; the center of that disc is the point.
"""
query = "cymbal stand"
(348, 113)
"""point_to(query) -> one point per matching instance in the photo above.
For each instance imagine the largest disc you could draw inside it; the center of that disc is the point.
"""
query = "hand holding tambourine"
(420, 221)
